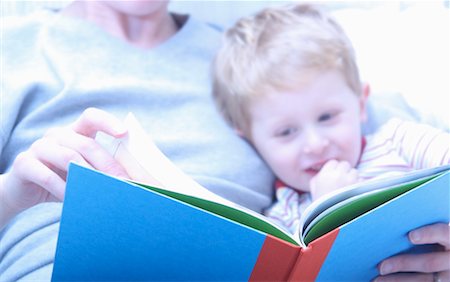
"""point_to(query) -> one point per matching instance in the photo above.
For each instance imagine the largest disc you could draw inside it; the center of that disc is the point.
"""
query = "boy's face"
(297, 132)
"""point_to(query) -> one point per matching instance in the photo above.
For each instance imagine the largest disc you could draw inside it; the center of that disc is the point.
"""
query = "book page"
(149, 167)
(342, 205)
(144, 161)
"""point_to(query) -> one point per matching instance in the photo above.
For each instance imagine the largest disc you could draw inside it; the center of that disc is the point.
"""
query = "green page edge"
(226, 212)
(358, 207)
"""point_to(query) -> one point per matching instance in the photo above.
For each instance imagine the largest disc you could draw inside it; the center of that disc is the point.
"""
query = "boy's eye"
(325, 117)
(286, 132)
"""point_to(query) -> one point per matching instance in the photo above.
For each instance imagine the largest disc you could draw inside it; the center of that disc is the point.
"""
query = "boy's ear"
(242, 134)
(239, 132)
(363, 101)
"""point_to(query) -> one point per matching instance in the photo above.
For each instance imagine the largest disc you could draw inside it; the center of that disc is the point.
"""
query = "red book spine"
(311, 259)
(275, 260)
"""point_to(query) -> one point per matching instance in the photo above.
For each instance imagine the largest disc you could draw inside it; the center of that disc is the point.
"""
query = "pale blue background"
(401, 46)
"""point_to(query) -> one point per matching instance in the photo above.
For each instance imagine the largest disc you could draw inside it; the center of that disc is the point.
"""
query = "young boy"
(286, 79)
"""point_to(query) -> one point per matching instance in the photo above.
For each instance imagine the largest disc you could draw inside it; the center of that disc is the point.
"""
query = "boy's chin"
(302, 190)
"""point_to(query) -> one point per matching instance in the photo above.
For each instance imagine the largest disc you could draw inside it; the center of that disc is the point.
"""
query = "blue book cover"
(172, 228)
(113, 229)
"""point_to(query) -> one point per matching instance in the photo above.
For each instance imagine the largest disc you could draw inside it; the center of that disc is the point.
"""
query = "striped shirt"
(397, 147)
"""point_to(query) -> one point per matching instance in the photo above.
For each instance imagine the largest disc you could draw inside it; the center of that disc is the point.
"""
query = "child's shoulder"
(395, 128)
(388, 128)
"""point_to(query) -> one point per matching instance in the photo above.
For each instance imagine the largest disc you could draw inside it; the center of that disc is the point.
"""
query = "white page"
(328, 201)
(146, 164)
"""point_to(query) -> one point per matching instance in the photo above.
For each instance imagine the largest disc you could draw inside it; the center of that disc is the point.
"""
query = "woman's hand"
(433, 266)
(39, 174)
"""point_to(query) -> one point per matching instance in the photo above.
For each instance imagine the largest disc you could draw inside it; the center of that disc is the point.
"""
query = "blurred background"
(401, 46)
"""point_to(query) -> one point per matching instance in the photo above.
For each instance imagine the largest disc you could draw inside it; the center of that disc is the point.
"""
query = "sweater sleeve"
(27, 81)
(28, 244)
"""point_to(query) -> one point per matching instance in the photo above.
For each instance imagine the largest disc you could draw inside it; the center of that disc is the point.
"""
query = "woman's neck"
(143, 31)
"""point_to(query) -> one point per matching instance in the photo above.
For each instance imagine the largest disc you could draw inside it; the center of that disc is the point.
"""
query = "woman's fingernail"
(415, 236)
(120, 130)
(386, 268)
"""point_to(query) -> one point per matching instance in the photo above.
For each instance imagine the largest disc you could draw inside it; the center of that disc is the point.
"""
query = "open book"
(164, 225)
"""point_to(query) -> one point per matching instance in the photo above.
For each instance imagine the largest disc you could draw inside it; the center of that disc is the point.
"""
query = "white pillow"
(405, 50)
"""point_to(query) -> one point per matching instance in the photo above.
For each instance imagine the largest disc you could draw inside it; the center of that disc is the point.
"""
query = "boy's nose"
(315, 143)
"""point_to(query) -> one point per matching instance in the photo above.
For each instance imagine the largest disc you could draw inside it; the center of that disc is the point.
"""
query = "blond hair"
(273, 50)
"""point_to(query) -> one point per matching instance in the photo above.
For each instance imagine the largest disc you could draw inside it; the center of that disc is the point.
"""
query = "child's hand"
(333, 175)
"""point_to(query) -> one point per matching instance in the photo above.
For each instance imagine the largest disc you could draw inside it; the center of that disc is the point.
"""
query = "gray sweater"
(55, 67)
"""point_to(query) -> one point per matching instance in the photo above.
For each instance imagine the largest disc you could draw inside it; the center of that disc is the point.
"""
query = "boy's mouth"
(315, 168)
